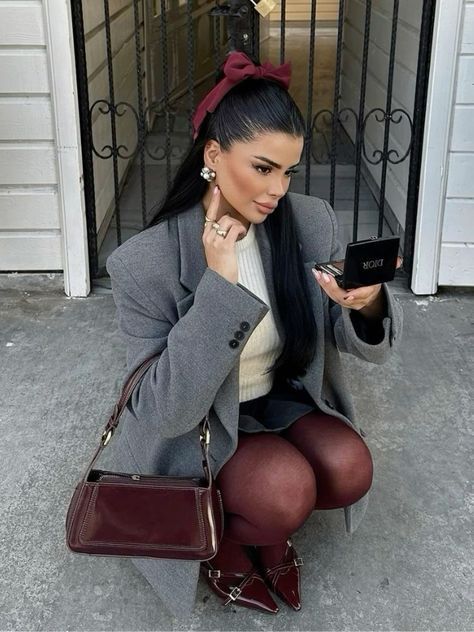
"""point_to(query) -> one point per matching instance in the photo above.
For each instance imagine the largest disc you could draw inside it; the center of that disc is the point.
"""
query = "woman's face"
(253, 176)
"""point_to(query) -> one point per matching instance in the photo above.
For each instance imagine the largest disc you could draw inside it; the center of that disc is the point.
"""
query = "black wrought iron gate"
(169, 52)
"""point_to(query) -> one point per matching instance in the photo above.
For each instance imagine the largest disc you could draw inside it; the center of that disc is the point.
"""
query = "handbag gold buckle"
(206, 436)
(107, 436)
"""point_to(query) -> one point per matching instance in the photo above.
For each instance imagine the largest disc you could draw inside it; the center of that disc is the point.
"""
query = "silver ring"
(208, 220)
(222, 233)
(216, 226)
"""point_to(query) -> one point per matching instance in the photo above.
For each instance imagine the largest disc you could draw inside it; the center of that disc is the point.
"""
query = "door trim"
(435, 159)
(63, 83)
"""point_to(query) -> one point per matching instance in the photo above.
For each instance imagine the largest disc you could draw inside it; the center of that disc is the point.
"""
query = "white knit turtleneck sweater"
(264, 345)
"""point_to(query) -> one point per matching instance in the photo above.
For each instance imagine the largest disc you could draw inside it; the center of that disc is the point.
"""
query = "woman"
(221, 285)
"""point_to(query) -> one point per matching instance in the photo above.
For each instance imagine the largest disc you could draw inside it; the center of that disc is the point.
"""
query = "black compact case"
(367, 262)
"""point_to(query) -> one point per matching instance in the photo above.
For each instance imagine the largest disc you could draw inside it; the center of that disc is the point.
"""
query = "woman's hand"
(368, 299)
(220, 251)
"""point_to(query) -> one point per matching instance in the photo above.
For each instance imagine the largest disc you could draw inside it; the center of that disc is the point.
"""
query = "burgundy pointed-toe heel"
(284, 578)
(243, 589)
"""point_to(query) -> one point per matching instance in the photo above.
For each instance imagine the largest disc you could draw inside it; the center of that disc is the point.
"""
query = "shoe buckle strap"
(270, 572)
(214, 574)
(233, 595)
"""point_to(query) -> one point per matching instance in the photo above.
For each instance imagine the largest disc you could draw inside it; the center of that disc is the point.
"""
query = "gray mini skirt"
(285, 403)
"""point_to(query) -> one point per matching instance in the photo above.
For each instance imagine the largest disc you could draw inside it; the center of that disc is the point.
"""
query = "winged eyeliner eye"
(268, 169)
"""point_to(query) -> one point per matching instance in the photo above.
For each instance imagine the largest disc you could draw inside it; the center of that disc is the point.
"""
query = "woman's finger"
(213, 209)
(235, 231)
(329, 285)
(232, 231)
(362, 293)
(338, 294)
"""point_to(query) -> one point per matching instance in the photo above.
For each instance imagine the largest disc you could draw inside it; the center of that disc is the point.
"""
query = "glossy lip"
(268, 207)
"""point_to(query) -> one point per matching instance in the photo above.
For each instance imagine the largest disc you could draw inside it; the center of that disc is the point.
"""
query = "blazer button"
(239, 335)
(245, 326)
(234, 344)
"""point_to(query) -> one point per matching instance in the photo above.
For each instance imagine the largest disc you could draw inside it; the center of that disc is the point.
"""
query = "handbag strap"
(113, 422)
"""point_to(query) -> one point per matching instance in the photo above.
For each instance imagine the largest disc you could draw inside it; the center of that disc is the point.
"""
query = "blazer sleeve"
(370, 340)
(194, 354)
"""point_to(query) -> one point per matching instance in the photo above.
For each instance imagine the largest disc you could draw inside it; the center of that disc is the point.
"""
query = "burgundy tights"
(273, 482)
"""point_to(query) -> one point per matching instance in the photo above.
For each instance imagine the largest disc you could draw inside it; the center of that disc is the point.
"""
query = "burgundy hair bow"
(238, 67)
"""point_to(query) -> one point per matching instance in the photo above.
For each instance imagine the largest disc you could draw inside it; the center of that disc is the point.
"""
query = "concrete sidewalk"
(409, 565)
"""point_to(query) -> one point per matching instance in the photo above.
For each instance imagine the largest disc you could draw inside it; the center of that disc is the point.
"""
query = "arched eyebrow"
(274, 164)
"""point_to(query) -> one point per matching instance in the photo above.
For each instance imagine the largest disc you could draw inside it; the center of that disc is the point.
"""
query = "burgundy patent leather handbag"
(141, 515)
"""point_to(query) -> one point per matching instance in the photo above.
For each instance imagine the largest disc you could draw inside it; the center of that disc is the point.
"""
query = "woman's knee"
(277, 486)
(291, 495)
(354, 464)
(339, 456)
(346, 475)
(288, 484)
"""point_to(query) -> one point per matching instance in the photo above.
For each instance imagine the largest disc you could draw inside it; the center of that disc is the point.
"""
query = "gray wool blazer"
(169, 302)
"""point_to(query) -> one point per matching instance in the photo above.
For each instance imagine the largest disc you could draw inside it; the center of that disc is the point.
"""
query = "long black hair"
(252, 107)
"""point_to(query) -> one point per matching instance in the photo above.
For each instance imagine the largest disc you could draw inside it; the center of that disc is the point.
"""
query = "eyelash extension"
(290, 172)
(259, 167)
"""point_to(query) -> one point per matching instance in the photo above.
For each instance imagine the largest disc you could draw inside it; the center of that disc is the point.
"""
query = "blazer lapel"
(191, 249)
(266, 255)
